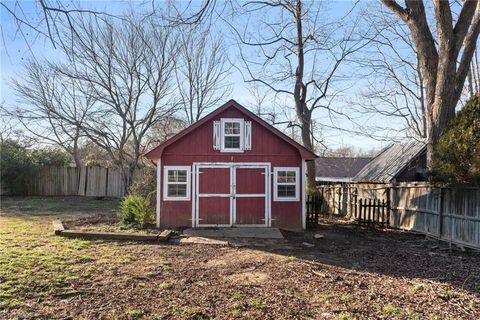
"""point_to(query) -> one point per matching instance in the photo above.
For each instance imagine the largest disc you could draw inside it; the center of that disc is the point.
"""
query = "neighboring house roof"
(388, 164)
(156, 153)
(339, 168)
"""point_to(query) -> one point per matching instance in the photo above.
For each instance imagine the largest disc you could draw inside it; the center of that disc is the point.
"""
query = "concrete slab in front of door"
(243, 232)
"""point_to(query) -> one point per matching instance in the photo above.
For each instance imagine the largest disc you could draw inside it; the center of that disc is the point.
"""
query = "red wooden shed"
(231, 168)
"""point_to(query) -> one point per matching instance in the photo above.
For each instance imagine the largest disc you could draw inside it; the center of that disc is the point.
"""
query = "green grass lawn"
(36, 264)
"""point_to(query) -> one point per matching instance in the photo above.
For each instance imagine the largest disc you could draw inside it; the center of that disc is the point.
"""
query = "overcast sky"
(18, 45)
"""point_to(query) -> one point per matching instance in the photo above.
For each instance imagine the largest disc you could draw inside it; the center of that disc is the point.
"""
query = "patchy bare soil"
(350, 274)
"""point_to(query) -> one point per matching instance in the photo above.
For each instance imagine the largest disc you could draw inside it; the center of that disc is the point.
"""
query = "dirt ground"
(349, 274)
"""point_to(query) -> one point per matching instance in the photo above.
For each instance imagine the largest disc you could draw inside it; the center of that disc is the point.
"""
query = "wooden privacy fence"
(449, 214)
(72, 181)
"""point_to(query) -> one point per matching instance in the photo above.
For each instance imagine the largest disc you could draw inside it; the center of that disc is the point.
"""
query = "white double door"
(231, 194)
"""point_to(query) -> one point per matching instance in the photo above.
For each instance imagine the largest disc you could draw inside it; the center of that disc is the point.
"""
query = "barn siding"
(198, 147)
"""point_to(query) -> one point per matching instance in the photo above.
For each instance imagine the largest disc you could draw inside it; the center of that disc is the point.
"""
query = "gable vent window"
(232, 135)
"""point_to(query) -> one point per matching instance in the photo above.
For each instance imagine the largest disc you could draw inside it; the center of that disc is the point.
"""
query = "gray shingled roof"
(390, 162)
(339, 167)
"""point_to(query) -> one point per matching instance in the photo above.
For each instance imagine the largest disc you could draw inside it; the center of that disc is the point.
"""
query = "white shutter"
(217, 135)
(248, 135)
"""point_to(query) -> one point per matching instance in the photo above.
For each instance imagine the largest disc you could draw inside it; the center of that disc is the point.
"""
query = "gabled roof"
(389, 163)
(156, 153)
(339, 167)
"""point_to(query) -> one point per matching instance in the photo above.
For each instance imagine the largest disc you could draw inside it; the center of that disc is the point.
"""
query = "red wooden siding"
(198, 147)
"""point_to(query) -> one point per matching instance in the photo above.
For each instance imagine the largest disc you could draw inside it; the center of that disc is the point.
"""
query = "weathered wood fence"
(449, 214)
(372, 212)
(70, 181)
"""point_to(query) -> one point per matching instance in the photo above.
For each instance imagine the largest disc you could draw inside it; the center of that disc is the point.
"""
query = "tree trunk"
(306, 121)
(443, 70)
(304, 115)
(442, 111)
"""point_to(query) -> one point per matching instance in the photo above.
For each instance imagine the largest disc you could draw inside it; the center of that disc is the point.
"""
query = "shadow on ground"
(390, 252)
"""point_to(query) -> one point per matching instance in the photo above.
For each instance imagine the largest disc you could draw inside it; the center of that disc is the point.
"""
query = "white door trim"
(232, 166)
(159, 191)
(304, 191)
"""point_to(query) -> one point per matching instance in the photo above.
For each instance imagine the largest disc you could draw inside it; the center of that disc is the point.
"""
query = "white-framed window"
(286, 184)
(232, 135)
(176, 183)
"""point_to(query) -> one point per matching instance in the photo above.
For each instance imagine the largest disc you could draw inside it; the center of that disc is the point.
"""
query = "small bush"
(136, 210)
(146, 186)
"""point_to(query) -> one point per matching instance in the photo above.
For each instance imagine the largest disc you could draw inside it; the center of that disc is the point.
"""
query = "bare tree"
(51, 107)
(50, 20)
(445, 59)
(165, 129)
(188, 13)
(201, 71)
(395, 87)
(125, 67)
(299, 56)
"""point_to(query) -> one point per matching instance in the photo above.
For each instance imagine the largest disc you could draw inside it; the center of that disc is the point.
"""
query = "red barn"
(231, 168)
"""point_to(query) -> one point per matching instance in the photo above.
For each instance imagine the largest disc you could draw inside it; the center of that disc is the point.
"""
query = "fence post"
(383, 213)
(106, 182)
(370, 212)
(390, 194)
(356, 206)
(440, 215)
(360, 212)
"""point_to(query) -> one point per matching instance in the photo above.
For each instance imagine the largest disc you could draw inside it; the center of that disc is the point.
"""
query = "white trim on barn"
(166, 183)
(276, 198)
(304, 191)
(159, 181)
(241, 135)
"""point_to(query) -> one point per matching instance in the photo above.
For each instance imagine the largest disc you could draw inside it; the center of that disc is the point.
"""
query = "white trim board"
(241, 135)
(165, 183)
(304, 191)
(297, 184)
(159, 183)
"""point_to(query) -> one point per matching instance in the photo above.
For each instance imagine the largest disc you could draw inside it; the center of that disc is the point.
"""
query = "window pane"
(177, 175)
(286, 177)
(232, 142)
(232, 127)
(291, 176)
(286, 191)
(177, 190)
